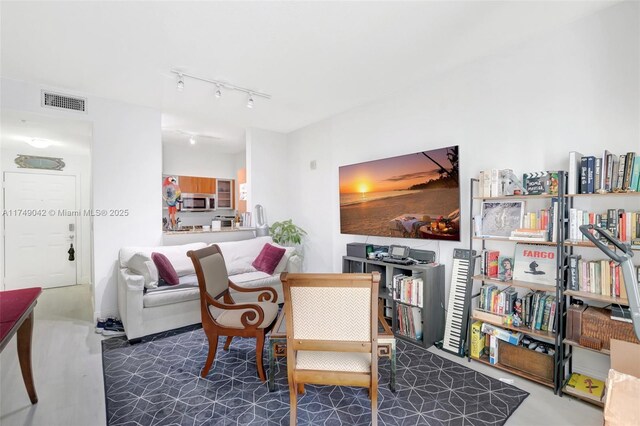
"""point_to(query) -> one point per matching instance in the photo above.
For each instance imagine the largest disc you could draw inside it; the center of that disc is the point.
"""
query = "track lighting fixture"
(192, 140)
(220, 85)
(180, 85)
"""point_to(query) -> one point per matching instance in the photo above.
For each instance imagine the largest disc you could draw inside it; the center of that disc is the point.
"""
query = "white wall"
(79, 165)
(268, 174)
(524, 107)
(201, 159)
(126, 165)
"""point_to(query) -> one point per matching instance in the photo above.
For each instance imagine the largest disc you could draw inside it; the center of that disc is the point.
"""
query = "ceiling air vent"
(56, 100)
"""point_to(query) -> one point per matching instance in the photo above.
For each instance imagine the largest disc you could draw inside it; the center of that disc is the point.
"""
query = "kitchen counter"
(172, 238)
(210, 231)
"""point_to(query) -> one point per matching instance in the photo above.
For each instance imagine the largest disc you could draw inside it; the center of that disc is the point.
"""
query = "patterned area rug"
(157, 382)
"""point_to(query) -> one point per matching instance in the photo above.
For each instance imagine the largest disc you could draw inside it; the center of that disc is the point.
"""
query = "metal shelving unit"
(561, 222)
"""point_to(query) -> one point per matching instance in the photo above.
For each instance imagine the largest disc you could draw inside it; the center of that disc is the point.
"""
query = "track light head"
(180, 85)
(250, 101)
(218, 91)
(192, 140)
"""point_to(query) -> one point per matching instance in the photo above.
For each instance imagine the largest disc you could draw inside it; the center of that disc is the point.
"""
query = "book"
(628, 168)
(574, 173)
(492, 263)
(586, 386)
(605, 170)
(544, 325)
(621, 169)
(635, 175)
(505, 268)
(535, 264)
(573, 282)
(597, 174)
(584, 165)
(591, 168)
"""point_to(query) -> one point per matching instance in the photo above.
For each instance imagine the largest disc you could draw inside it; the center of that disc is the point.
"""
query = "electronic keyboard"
(456, 325)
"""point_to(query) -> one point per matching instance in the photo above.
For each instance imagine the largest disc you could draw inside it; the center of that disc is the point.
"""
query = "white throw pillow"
(141, 264)
(282, 265)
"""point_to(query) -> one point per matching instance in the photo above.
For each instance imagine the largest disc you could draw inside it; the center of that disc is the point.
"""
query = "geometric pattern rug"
(157, 382)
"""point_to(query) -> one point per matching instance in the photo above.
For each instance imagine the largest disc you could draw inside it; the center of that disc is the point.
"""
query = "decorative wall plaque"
(36, 162)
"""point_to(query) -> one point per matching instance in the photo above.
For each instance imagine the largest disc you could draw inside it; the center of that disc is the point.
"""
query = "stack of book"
(539, 311)
(609, 173)
(504, 182)
(496, 301)
(529, 234)
(409, 321)
(408, 289)
(621, 224)
(494, 265)
(603, 277)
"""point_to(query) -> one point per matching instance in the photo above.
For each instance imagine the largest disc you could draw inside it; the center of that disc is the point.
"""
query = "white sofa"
(164, 308)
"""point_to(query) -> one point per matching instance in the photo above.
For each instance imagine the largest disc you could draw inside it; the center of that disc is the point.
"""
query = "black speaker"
(423, 256)
(360, 250)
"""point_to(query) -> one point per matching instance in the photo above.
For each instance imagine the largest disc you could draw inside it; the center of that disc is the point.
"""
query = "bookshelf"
(554, 339)
(590, 278)
(591, 299)
(396, 309)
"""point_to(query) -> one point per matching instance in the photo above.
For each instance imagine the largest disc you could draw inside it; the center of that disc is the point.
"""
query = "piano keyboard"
(455, 331)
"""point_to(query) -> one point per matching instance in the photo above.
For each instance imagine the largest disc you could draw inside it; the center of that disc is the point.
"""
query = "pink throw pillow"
(166, 271)
(268, 259)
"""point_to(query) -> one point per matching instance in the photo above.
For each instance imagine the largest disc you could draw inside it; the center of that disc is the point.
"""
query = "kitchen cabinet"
(225, 194)
(197, 185)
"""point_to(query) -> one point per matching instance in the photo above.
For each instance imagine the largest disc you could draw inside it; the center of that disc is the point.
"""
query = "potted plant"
(286, 233)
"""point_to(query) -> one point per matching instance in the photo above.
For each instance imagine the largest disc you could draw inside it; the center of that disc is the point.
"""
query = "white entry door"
(37, 232)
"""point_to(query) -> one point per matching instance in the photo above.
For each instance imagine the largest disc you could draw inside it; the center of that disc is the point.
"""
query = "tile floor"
(68, 374)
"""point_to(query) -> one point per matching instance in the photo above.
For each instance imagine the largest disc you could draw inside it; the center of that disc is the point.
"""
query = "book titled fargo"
(536, 264)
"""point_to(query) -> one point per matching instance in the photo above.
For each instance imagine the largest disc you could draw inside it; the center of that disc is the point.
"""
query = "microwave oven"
(198, 202)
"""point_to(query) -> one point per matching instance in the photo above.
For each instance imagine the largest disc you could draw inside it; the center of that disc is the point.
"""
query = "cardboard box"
(477, 340)
(507, 336)
(625, 356)
(623, 385)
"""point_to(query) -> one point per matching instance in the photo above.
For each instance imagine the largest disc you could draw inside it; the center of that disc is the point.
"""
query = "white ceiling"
(316, 59)
(66, 136)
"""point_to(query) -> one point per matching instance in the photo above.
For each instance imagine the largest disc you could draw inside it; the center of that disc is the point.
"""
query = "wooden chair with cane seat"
(221, 316)
(332, 331)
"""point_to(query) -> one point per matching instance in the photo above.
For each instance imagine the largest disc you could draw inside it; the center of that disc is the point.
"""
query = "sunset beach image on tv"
(409, 196)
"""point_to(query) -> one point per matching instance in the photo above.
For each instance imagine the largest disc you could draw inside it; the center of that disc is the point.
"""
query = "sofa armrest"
(130, 304)
(294, 264)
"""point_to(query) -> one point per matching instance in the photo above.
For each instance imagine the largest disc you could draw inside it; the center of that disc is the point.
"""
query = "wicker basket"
(598, 325)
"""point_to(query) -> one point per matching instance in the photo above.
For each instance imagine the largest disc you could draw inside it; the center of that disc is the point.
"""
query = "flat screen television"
(409, 196)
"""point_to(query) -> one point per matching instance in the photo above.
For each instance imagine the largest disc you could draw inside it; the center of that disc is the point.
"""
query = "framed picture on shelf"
(535, 263)
(499, 218)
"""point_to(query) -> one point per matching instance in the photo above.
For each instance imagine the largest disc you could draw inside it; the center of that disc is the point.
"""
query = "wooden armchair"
(332, 331)
(225, 317)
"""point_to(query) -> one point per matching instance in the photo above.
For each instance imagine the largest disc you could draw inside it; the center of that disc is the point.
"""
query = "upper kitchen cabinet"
(197, 185)
(225, 196)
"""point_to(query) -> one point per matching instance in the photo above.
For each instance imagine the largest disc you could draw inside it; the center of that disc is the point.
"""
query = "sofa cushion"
(141, 264)
(282, 265)
(251, 279)
(165, 269)
(268, 258)
(188, 281)
(238, 255)
(170, 295)
(232, 318)
(176, 254)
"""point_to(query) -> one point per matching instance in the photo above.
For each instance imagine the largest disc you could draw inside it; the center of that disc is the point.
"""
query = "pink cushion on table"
(268, 258)
(166, 271)
(13, 304)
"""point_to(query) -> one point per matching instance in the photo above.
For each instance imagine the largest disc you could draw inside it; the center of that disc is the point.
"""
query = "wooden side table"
(278, 347)
(16, 316)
